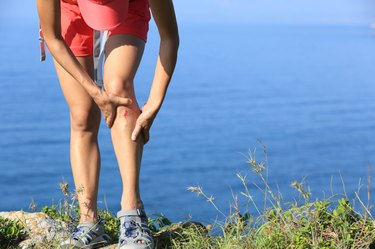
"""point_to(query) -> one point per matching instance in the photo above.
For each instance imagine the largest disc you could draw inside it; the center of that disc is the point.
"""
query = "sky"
(244, 11)
(277, 11)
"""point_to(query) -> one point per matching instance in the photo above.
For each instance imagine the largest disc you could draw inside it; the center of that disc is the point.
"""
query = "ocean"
(305, 92)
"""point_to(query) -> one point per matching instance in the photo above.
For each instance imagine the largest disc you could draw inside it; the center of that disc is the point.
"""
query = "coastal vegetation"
(331, 222)
(11, 233)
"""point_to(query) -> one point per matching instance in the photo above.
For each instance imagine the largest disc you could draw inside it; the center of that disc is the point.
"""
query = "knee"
(120, 87)
(82, 120)
(124, 87)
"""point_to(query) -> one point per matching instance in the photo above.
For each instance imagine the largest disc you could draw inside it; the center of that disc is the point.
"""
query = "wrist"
(95, 93)
(153, 105)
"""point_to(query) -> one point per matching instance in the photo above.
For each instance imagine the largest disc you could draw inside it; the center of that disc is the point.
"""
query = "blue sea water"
(306, 92)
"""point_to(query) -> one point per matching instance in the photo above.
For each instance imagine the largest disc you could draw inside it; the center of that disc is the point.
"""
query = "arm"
(49, 14)
(165, 19)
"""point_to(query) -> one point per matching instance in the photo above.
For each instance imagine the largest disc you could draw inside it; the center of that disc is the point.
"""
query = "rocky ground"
(41, 229)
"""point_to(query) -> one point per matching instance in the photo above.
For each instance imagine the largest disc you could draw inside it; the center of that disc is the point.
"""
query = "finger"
(110, 119)
(136, 131)
(145, 135)
(124, 101)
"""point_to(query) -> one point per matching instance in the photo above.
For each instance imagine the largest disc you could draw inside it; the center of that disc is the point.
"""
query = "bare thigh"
(84, 113)
(124, 54)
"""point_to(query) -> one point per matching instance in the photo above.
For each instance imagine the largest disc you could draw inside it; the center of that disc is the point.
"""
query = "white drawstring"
(99, 56)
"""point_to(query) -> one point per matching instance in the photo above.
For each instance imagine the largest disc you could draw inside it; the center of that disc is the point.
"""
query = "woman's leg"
(84, 151)
(124, 53)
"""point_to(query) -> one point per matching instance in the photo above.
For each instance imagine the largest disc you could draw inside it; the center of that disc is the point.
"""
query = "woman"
(67, 26)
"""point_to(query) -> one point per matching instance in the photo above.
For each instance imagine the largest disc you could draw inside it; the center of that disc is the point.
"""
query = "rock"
(39, 227)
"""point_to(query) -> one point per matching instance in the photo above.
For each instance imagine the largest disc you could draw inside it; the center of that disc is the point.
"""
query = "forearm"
(64, 56)
(163, 73)
(49, 12)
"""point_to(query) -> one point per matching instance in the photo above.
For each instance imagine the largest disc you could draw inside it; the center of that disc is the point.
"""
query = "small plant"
(11, 233)
(68, 209)
(302, 224)
(158, 223)
(111, 224)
